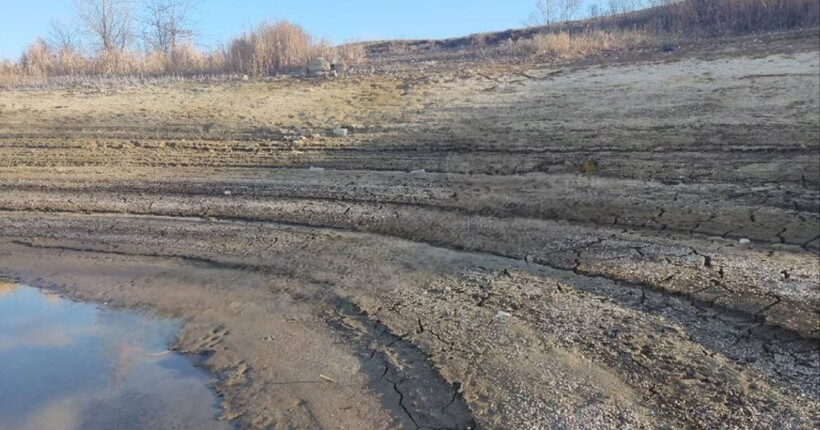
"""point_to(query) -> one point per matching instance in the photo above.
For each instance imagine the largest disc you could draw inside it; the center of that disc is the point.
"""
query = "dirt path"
(623, 246)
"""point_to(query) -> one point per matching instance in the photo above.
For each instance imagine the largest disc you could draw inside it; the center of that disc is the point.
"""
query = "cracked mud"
(628, 244)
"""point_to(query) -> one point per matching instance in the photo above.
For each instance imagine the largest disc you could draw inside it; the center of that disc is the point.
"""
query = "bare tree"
(593, 11)
(545, 13)
(548, 12)
(108, 22)
(614, 7)
(594, 14)
(568, 9)
(63, 38)
(167, 24)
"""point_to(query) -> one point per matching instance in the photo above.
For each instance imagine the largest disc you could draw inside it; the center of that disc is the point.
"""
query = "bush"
(272, 48)
(37, 59)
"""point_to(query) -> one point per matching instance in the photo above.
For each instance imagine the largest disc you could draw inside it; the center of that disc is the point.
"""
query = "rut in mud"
(623, 245)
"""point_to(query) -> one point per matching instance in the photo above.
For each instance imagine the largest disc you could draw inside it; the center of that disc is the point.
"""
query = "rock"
(744, 241)
(319, 66)
(502, 315)
(339, 67)
(340, 132)
(418, 172)
(227, 193)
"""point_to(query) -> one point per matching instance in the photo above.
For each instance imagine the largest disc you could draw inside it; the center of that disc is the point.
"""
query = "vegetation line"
(156, 38)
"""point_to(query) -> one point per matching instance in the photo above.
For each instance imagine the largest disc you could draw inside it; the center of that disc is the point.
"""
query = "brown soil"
(627, 242)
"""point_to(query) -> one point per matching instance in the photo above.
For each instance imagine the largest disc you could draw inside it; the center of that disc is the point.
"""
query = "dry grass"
(271, 48)
(681, 18)
(274, 48)
(565, 45)
(736, 16)
(283, 47)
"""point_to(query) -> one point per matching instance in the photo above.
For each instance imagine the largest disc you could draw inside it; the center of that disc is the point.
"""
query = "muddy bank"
(617, 245)
(276, 308)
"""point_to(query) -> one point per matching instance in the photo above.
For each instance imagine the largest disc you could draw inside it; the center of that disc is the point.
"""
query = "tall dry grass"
(283, 47)
(271, 48)
(566, 45)
(678, 18)
(720, 17)
(278, 47)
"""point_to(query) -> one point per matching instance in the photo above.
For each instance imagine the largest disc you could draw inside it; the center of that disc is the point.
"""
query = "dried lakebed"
(67, 365)
(619, 245)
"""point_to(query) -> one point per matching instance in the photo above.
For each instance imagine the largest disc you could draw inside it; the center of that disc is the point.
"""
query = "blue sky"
(21, 21)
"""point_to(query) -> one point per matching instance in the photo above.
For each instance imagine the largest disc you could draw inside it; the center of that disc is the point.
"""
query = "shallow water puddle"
(71, 366)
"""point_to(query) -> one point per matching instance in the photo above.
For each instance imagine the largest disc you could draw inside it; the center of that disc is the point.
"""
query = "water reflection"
(67, 366)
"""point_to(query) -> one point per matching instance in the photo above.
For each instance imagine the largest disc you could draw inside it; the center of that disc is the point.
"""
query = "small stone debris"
(227, 193)
(502, 315)
(340, 132)
(744, 241)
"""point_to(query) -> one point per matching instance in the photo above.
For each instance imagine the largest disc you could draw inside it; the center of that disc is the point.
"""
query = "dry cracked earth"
(629, 243)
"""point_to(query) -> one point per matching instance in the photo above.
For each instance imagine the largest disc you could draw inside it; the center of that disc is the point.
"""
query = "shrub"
(272, 48)
(37, 59)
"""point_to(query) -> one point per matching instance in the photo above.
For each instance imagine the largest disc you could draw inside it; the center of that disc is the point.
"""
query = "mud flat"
(622, 244)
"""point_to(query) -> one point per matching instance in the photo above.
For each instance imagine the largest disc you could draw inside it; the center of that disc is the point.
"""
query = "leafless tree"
(615, 7)
(593, 11)
(594, 14)
(167, 24)
(568, 9)
(107, 22)
(63, 38)
(545, 13)
(548, 12)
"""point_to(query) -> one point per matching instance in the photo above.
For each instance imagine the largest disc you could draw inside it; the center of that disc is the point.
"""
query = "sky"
(21, 21)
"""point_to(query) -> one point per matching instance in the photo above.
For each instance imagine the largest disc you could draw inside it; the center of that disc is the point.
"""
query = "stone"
(340, 132)
(339, 67)
(502, 315)
(319, 66)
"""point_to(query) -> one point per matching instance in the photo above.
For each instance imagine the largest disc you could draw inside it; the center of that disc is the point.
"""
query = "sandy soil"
(627, 243)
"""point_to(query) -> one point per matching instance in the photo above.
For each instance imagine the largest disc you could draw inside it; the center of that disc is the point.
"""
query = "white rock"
(227, 193)
(418, 172)
(318, 66)
(744, 241)
(502, 315)
(341, 132)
